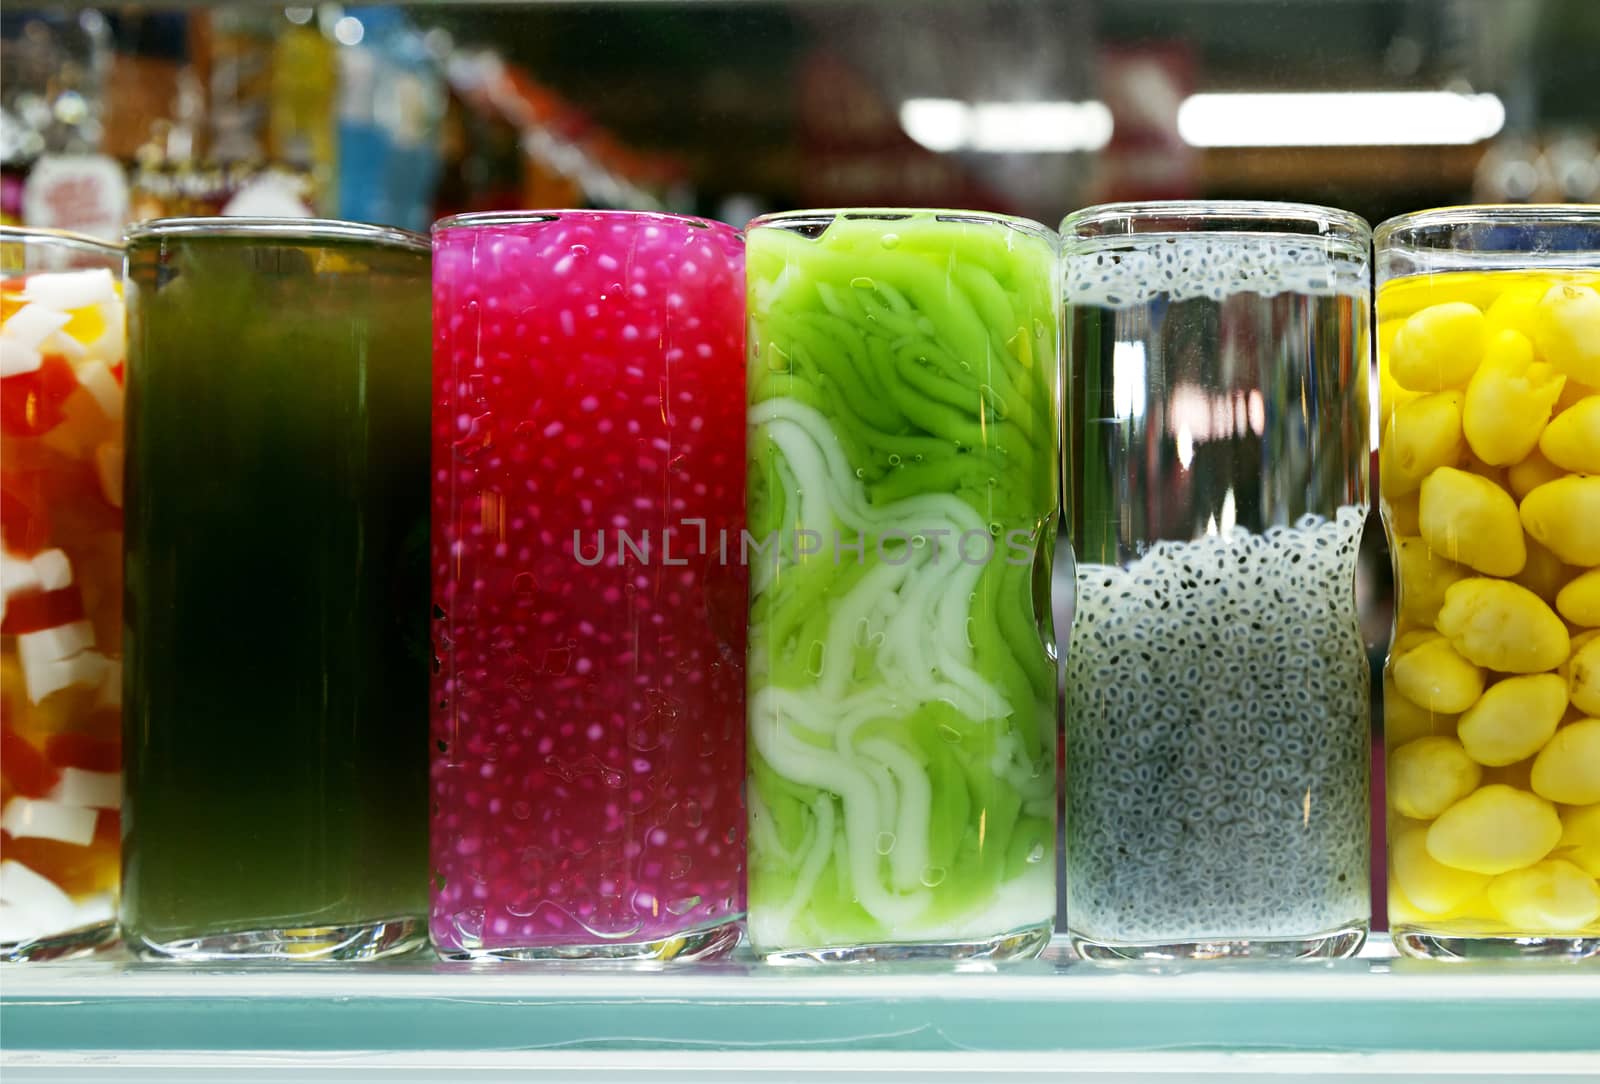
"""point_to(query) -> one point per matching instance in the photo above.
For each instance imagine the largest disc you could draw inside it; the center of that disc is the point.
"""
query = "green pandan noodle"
(903, 476)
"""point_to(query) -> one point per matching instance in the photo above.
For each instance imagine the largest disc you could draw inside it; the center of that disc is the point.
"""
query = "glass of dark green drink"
(275, 654)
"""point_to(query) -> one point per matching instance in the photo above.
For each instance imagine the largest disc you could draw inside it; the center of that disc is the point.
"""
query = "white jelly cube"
(92, 790)
(17, 358)
(18, 924)
(97, 380)
(31, 325)
(33, 892)
(71, 289)
(28, 818)
(53, 570)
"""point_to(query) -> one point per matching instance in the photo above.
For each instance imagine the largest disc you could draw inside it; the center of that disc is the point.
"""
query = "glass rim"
(24, 235)
(290, 229)
(472, 219)
(825, 215)
(1246, 216)
(1498, 214)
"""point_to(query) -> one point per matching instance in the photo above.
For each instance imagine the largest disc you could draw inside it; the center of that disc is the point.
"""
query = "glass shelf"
(417, 1019)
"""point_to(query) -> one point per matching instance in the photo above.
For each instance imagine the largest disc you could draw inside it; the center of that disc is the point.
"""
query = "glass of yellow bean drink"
(1489, 358)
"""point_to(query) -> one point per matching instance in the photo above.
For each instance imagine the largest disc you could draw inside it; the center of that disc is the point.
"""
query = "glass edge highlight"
(1511, 214)
(1331, 222)
(36, 235)
(826, 216)
(288, 229)
(474, 219)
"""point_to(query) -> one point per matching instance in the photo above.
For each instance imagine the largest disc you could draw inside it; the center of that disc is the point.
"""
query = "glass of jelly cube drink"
(61, 367)
(903, 396)
(1218, 718)
(589, 604)
(1489, 354)
(276, 610)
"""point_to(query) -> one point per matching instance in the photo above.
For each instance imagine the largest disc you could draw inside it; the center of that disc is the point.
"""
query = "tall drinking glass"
(904, 422)
(588, 494)
(1489, 349)
(61, 364)
(277, 531)
(1217, 685)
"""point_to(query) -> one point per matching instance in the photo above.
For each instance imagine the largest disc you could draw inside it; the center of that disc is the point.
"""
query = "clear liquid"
(1194, 416)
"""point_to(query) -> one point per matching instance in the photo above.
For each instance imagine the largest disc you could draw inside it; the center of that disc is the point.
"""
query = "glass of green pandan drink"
(275, 653)
(902, 508)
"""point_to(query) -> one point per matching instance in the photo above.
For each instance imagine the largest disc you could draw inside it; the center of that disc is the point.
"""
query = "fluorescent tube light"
(1339, 119)
(946, 124)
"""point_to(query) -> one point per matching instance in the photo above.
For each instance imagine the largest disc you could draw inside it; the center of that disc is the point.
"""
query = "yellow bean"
(1531, 473)
(1402, 912)
(1582, 671)
(1438, 347)
(1579, 600)
(1421, 578)
(1513, 719)
(1433, 675)
(1391, 396)
(1544, 573)
(1404, 721)
(1566, 330)
(1572, 440)
(1508, 401)
(1495, 830)
(1429, 775)
(1432, 887)
(1412, 638)
(1567, 770)
(1580, 838)
(1503, 626)
(1424, 435)
(1515, 306)
(1471, 520)
(1565, 516)
(1553, 896)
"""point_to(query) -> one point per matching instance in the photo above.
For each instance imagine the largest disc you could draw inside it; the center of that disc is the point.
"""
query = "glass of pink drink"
(589, 599)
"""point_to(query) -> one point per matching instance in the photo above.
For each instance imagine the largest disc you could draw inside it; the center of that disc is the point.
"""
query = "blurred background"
(1036, 107)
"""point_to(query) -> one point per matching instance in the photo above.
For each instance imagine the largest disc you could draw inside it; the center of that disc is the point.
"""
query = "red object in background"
(1143, 86)
(857, 155)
